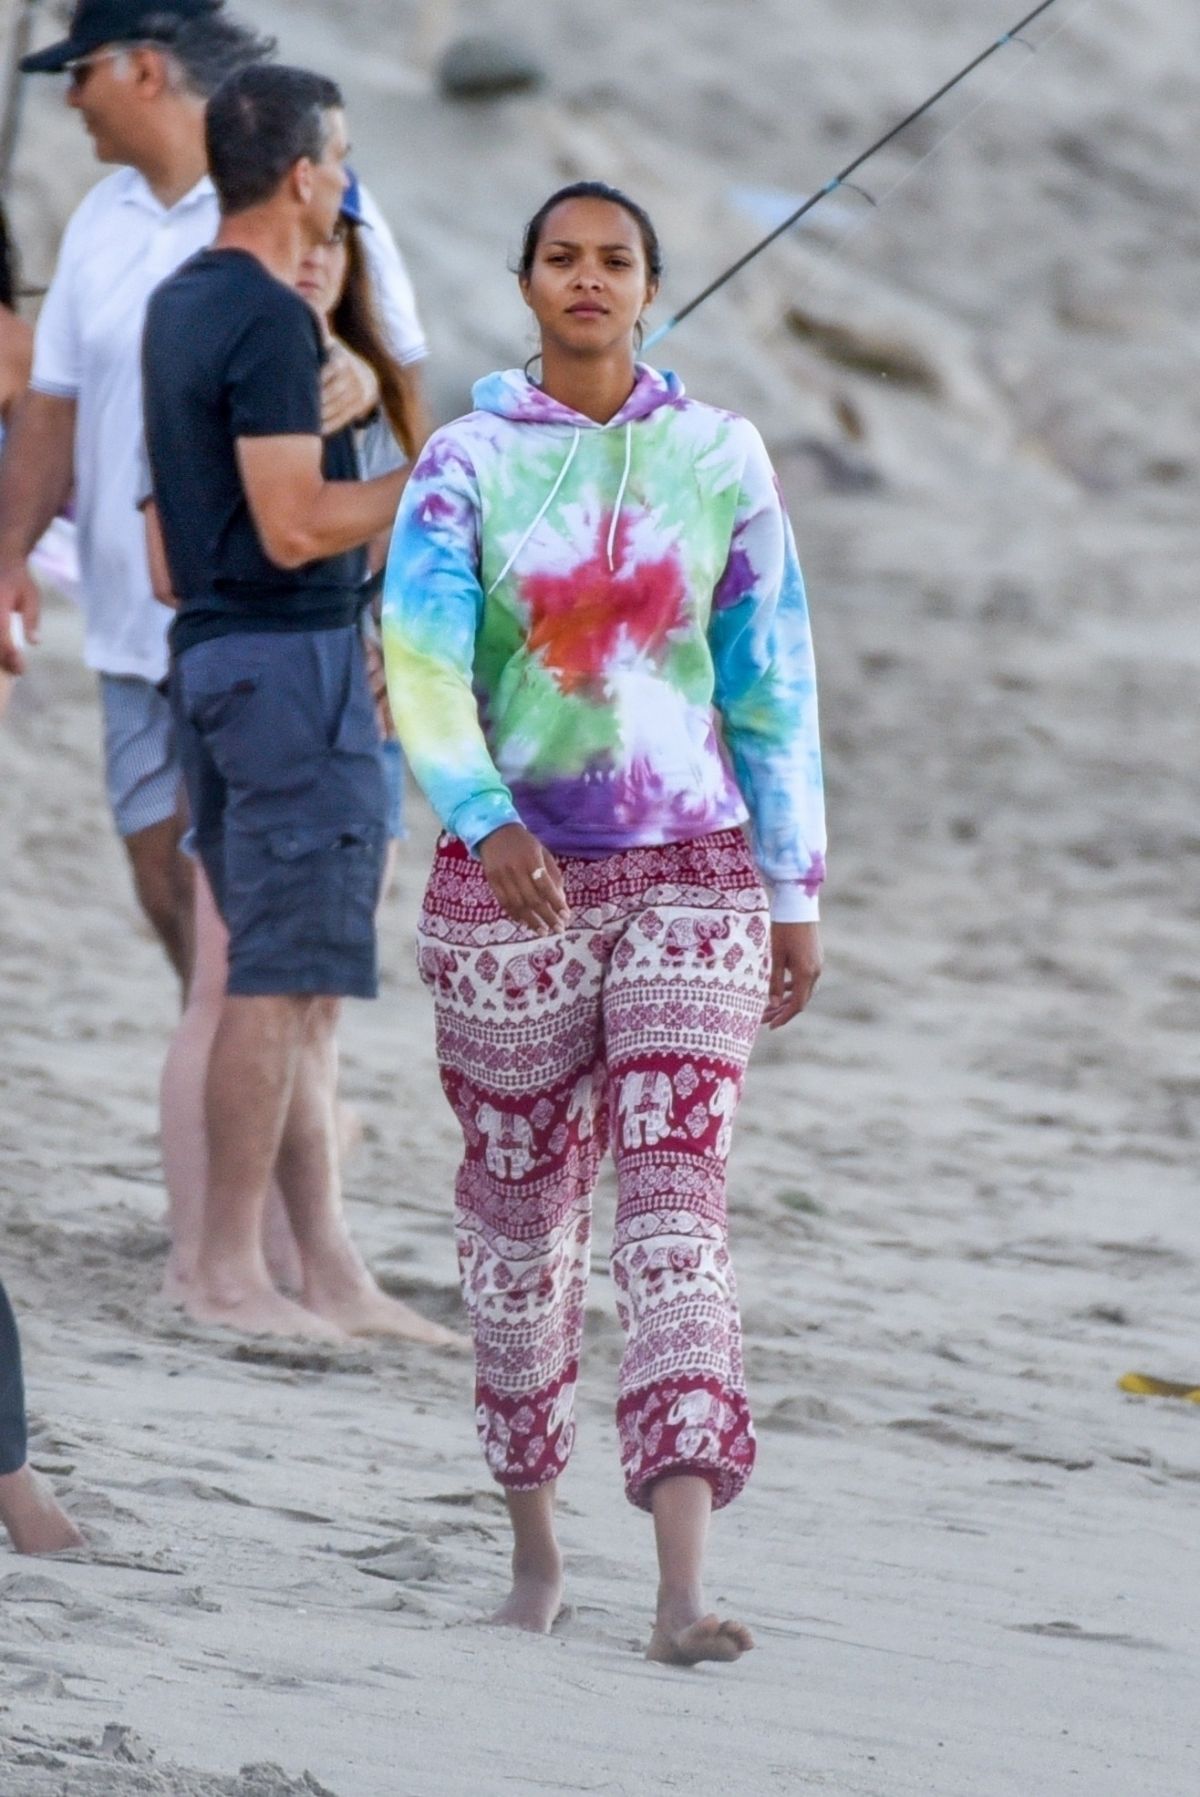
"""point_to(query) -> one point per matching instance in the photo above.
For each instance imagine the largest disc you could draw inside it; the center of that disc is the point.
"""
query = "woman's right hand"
(525, 879)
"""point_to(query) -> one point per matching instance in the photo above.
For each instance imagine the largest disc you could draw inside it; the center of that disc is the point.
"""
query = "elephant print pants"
(634, 1026)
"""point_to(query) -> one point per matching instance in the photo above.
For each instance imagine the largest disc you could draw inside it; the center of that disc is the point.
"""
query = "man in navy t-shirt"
(257, 528)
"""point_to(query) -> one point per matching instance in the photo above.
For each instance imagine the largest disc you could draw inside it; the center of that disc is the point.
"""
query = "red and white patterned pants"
(635, 1025)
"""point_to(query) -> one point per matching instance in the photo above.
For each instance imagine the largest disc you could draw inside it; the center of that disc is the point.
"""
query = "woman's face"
(589, 283)
(322, 276)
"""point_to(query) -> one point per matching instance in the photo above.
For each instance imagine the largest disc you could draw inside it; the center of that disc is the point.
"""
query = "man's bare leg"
(537, 1567)
(252, 1070)
(162, 879)
(35, 1520)
(184, 1147)
(685, 1630)
(336, 1284)
(181, 1094)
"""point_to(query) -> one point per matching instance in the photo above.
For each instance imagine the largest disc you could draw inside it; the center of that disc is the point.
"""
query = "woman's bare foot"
(705, 1638)
(33, 1516)
(537, 1588)
(536, 1597)
(257, 1309)
(685, 1630)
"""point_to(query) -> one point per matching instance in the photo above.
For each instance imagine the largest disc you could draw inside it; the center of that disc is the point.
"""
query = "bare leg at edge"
(35, 1520)
(685, 1630)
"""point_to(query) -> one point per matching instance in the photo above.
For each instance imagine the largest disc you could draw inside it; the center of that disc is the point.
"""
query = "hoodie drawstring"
(551, 496)
(612, 533)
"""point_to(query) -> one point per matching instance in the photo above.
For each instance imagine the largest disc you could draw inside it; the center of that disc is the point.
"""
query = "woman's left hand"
(349, 389)
(795, 970)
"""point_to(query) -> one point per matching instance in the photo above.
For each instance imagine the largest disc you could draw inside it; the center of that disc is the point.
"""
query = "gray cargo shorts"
(281, 759)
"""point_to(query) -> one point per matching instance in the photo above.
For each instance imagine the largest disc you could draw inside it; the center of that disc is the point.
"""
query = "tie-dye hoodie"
(600, 631)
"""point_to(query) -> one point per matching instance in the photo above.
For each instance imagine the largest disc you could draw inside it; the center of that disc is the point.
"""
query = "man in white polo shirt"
(140, 73)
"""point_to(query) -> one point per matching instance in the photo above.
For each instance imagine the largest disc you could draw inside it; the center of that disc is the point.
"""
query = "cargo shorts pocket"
(216, 689)
(326, 881)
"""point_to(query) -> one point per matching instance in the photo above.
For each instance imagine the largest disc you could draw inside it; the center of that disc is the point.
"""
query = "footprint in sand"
(283, 1359)
(49, 1686)
(409, 1561)
(809, 1415)
(36, 1588)
(946, 1435)
(177, 1486)
(122, 1760)
(1071, 1631)
(469, 1500)
(172, 1486)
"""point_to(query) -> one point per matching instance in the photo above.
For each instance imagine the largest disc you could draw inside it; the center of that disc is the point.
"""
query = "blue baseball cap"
(352, 206)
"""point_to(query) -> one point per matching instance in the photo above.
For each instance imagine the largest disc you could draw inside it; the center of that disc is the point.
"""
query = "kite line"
(844, 177)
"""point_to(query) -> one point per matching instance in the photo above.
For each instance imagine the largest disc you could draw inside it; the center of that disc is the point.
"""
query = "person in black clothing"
(257, 528)
(36, 1522)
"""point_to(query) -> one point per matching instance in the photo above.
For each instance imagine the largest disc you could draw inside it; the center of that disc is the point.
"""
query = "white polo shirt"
(120, 244)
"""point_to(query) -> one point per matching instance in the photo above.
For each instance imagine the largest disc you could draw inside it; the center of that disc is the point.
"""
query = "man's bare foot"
(707, 1638)
(257, 1310)
(339, 1287)
(33, 1516)
(369, 1311)
(177, 1280)
(279, 1247)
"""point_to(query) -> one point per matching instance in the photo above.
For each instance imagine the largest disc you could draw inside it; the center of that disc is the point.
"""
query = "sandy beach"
(963, 1187)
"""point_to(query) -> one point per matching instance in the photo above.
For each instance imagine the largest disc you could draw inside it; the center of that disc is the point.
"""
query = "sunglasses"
(79, 72)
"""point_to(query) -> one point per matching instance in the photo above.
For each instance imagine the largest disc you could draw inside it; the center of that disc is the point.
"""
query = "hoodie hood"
(512, 395)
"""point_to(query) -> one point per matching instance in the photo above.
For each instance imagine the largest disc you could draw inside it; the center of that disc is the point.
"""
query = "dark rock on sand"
(484, 67)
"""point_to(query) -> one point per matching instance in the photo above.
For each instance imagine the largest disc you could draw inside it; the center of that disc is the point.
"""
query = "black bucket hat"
(98, 22)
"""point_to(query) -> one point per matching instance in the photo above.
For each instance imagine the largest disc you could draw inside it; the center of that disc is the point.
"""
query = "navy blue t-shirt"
(229, 352)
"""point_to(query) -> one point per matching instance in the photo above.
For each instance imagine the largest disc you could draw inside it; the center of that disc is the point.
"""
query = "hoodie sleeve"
(432, 605)
(766, 691)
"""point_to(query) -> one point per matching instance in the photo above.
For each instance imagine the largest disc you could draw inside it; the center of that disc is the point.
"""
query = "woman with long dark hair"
(336, 281)
(600, 664)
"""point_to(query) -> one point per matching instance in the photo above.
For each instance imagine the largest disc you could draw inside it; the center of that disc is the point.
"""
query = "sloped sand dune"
(964, 1187)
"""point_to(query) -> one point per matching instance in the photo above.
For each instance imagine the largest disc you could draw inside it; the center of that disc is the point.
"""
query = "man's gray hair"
(206, 49)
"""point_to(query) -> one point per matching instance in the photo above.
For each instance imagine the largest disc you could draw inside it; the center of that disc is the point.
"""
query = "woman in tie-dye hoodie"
(600, 666)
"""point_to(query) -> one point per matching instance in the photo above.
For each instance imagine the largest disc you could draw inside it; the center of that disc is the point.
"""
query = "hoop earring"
(535, 357)
(639, 337)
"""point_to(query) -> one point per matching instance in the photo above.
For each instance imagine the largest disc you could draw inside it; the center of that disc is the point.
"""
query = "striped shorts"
(141, 760)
